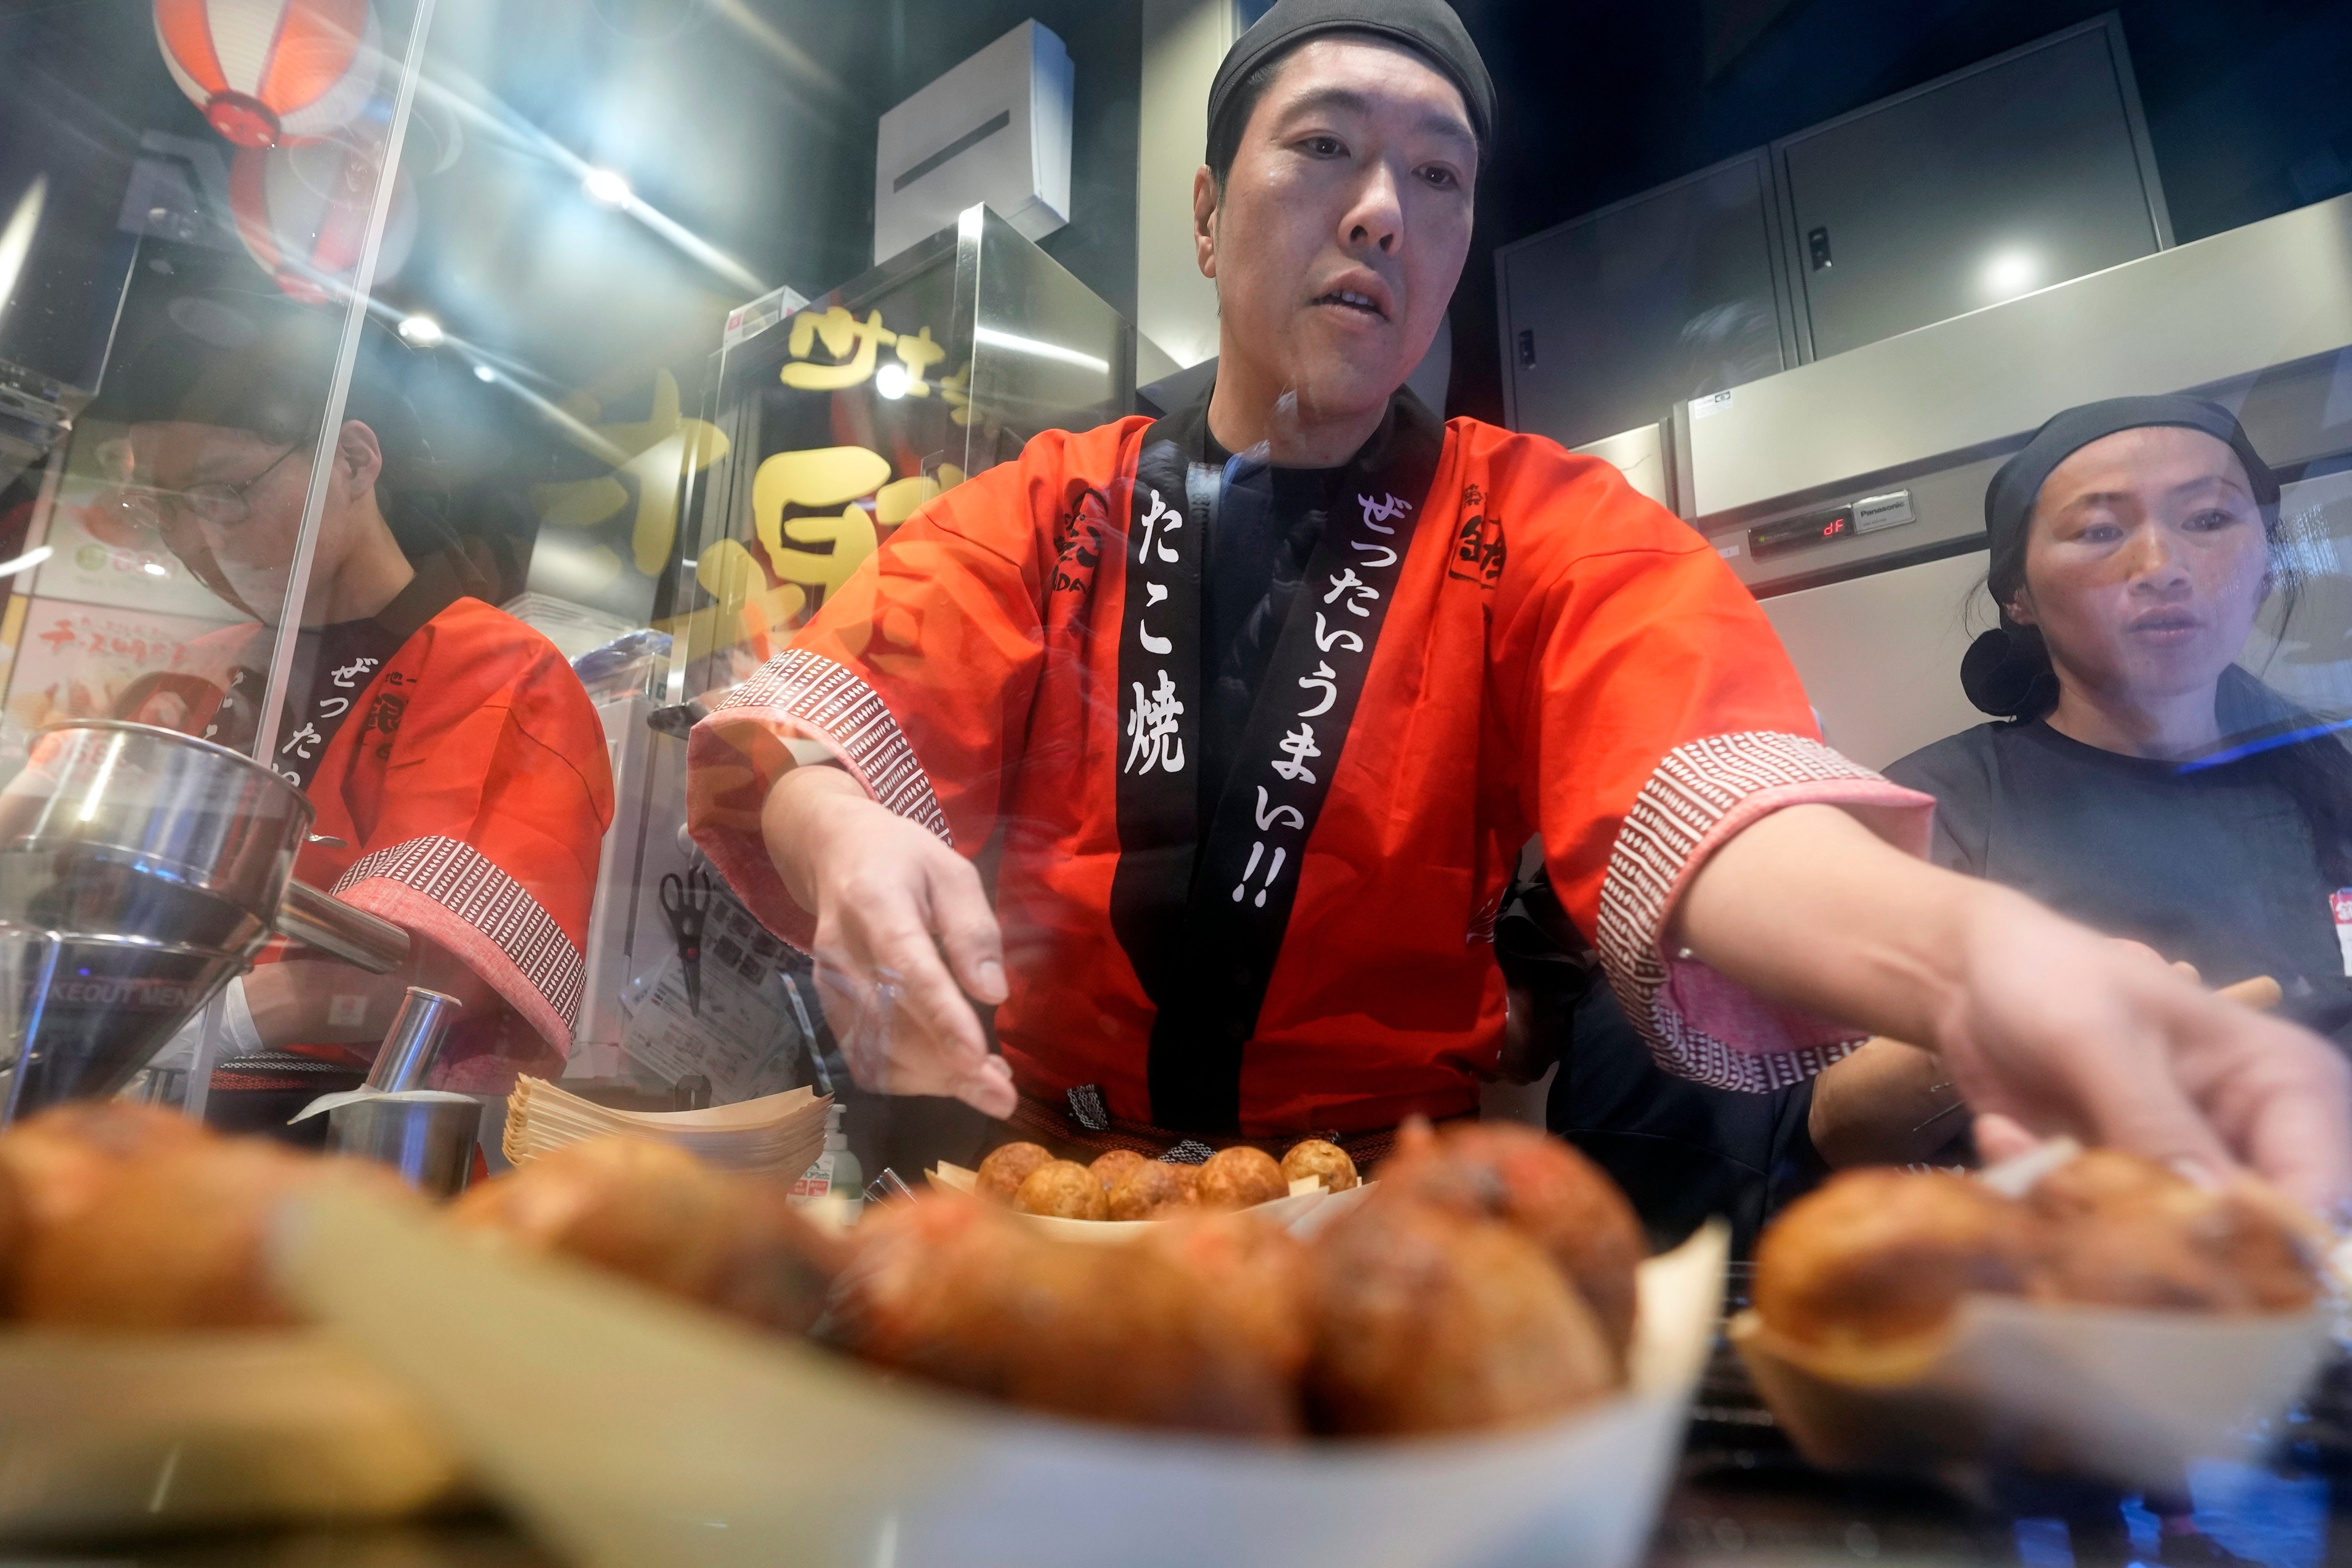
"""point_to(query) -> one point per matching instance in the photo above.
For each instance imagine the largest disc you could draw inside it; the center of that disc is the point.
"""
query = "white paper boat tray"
(628, 1430)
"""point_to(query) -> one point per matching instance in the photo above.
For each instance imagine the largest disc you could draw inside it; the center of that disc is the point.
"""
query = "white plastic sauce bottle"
(837, 1170)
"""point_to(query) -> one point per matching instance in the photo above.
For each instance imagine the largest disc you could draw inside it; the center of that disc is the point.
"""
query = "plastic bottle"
(836, 1171)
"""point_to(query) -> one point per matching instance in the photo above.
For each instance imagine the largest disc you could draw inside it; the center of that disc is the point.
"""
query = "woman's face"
(255, 550)
(2145, 563)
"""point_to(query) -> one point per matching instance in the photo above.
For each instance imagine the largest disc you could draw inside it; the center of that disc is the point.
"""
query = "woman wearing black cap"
(1260, 699)
(2140, 781)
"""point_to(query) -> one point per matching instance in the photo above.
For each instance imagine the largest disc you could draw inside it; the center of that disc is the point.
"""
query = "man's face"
(1343, 223)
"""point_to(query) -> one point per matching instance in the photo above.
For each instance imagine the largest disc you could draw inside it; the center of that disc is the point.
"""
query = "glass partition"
(187, 228)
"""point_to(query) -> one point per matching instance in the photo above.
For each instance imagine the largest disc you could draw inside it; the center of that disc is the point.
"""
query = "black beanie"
(1428, 27)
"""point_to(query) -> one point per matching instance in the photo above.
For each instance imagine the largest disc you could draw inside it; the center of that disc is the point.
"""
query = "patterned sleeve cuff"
(736, 754)
(458, 895)
(1697, 1024)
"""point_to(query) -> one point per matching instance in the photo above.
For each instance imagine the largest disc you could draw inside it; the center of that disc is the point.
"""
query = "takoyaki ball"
(647, 1210)
(2125, 1232)
(1326, 1162)
(1153, 1190)
(958, 1292)
(15, 1235)
(1541, 1186)
(2098, 1178)
(1428, 1319)
(1241, 1177)
(775, 1268)
(1256, 1278)
(178, 1239)
(1007, 1167)
(1877, 1256)
(62, 1157)
(1065, 1190)
(1110, 1167)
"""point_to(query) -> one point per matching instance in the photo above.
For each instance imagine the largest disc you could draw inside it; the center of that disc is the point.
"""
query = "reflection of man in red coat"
(457, 767)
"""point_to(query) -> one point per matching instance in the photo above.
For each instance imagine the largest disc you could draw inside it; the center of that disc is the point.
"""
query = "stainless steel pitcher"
(141, 870)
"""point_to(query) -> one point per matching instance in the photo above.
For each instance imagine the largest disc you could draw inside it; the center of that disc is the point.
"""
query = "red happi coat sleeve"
(472, 789)
(1654, 715)
(941, 633)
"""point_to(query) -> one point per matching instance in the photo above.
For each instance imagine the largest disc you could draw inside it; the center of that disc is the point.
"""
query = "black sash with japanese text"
(1202, 921)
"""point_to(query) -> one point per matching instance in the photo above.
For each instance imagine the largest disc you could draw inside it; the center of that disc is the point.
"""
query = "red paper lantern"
(302, 213)
(267, 72)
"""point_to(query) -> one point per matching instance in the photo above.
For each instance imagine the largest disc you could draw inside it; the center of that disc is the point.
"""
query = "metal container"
(428, 1135)
(414, 1041)
(140, 870)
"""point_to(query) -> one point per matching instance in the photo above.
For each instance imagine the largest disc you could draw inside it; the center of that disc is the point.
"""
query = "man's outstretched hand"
(904, 934)
(2044, 1025)
(2057, 1030)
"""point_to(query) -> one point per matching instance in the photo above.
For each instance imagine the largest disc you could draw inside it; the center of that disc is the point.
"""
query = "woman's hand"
(2044, 1024)
(904, 931)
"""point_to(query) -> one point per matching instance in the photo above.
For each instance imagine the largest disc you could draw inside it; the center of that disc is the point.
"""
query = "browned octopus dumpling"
(1325, 1161)
(177, 1239)
(1433, 1320)
(1165, 1334)
(2127, 1232)
(1153, 1190)
(1541, 1186)
(655, 1214)
(1875, 1256)
(1112, 1165)
(61, 1158)
(1007, 1167)
(1062, 1189)
(1241, 1177)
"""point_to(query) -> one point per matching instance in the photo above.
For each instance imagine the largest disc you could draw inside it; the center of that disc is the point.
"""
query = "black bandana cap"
(2008, 499)
(1428, 27)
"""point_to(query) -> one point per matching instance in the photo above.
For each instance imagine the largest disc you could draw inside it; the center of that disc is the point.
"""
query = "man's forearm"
(791, 824)
(320, 1001)
(1810, 907)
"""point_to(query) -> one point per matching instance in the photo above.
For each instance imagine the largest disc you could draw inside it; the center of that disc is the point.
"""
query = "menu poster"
(76, 660)
(745, 1039)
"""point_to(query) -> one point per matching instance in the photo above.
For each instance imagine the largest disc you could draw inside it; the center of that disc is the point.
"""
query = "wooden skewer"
(2262, 993)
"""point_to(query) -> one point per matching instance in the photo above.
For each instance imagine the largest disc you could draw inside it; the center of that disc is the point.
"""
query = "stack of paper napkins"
(778, 1135)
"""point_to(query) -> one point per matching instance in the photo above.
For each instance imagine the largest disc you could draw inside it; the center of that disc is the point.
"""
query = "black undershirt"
(2215, 865)
(1262, 533)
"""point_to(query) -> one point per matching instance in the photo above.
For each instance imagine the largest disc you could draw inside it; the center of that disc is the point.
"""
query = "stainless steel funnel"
(140, 870)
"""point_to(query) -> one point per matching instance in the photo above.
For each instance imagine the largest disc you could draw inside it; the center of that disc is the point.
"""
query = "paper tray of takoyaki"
(2089, 1314)
(1475, 1366)
(1122, 1192)
(149, 1377)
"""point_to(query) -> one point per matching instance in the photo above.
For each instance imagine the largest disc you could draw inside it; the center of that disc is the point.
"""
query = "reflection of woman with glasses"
(457, 767)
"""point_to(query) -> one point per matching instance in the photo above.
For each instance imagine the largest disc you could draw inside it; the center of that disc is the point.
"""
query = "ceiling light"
(2009, 273)
(421, 332)
(890, 381)
(484, 372)
(606, 187)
